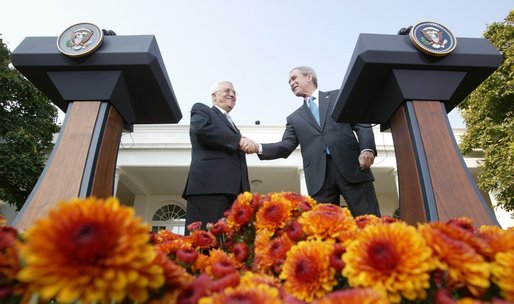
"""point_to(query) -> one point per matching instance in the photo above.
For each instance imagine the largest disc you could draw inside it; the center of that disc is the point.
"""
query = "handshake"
(248, 146)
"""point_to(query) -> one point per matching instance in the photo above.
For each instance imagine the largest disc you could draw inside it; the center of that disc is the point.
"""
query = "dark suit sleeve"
(365, 136)
(283, 148)
(211, 131)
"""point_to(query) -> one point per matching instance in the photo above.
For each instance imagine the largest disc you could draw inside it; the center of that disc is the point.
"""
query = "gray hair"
(216, 87)
(305, 70)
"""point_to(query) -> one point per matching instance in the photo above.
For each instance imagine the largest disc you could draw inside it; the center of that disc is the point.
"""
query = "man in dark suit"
(218, 171)
(335, 161)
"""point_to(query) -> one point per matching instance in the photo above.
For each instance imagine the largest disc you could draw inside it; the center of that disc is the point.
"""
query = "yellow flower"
(503, 273)
(393, 259)
(307, 272)
(251, 279)
(90, 250)
(458, 255)
(329, 222)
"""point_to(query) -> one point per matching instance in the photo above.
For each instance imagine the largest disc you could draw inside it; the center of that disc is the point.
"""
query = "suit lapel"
(225, 119)
(307, 115)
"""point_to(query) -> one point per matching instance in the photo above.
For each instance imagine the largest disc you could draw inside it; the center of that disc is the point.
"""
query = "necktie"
(315, 112)
(230, 120)
(314, 109)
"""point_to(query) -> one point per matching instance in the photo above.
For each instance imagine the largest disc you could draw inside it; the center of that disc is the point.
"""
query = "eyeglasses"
(228, 91)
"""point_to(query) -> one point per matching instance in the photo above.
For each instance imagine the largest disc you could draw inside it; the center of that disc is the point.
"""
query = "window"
(170, 217)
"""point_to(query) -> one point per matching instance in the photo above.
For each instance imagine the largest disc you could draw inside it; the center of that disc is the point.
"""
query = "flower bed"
(274, 248)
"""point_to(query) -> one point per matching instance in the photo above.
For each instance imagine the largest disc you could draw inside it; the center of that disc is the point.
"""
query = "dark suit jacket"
(217, 166)
(302, 129)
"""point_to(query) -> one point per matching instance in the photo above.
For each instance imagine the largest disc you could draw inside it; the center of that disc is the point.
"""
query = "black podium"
(123, 83)
(390, 82)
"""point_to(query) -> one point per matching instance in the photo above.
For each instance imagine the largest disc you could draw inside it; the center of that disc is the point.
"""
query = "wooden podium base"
(82, 163)
(434, 182)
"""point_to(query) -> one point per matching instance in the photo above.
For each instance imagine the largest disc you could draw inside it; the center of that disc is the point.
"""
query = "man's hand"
(248, 146)
(366, 159)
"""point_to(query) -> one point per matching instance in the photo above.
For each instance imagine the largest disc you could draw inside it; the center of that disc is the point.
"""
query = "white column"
(117, 174)
(394, 173)
(303, 185)
(505, 218)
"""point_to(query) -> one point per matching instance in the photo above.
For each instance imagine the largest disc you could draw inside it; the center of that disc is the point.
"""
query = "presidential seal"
(433, 39)
(80, 40)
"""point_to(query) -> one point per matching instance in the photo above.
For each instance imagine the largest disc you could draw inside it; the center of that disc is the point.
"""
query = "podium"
(123, 83)
(390, 82)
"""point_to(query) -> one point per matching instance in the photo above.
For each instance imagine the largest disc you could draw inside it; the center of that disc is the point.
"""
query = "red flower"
(219, 228)
(194, 226)
(187, 255)
(195, 290)
(336, 258)
(241, 252)
(279, 247)
(8, 237)
(241, 214)
(462, 222)
(294, 231)
(229, 280)
(223, 268)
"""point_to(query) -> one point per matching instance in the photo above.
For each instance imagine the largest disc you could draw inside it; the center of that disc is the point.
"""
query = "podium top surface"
(386, 70)
(128, 71)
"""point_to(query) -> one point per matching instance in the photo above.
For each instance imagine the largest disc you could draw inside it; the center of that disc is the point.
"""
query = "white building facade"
(153, 163)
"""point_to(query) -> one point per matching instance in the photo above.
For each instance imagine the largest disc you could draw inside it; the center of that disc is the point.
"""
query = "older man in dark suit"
(218, 171)
(336, 156)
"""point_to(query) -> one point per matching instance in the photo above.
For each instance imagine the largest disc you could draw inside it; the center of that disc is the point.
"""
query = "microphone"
(404, 31)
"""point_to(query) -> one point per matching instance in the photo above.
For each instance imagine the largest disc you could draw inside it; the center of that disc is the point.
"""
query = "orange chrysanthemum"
(202, 239)
(394, 259)
(220, 264)
(262, 260)
(307, 272)
(353, 296)
(457, 255)
(90, 250)
(328, 222)
(171, 247)
(176, 277)
(201, 263)
(497, 240)
(261, 293)
(165, 236)
(503, 273)
(366, 219)
(274, 213)
(299, 203)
